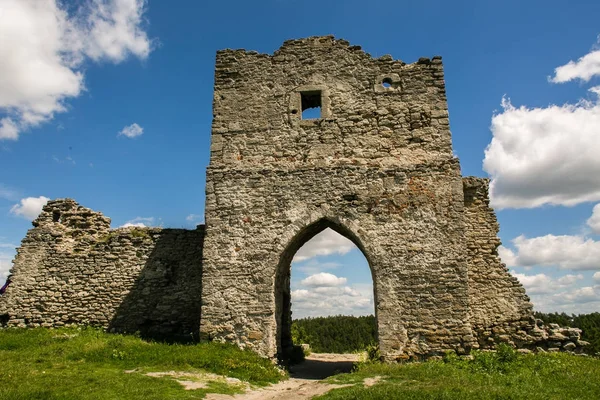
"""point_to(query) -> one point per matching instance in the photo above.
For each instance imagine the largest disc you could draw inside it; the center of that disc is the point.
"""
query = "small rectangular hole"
(311, 104)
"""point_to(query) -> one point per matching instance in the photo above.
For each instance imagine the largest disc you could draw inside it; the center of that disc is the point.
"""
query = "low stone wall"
(500, 309)
(72, 268)
(554, 338)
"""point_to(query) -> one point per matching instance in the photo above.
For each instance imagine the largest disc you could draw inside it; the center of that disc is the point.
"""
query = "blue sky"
(109, 102)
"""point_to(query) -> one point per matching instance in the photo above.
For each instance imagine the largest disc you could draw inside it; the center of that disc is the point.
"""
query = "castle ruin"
(376, 165)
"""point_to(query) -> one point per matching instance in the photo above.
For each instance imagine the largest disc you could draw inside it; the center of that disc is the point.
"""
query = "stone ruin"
(376, 165)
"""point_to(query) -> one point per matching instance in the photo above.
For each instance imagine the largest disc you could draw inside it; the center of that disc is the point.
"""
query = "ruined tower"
(376, 165)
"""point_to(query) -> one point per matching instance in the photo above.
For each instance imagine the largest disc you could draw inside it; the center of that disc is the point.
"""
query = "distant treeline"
(339, 334)
(345, 334)
(588, 323)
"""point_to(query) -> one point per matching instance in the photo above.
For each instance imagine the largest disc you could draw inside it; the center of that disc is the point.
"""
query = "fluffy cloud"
(115, 30)
(323, 301)
(44, 49)
(29, 207)
(544, 155)
(8, 129)
(132, 131)
(583, 295)
(547, 155)
(575, 301)
(323, 244)
(566, 252)
(583, 69)
(543, 284)
(139, 222)
(594, 221)
(561, 294)
(323, 279)
(597, 277)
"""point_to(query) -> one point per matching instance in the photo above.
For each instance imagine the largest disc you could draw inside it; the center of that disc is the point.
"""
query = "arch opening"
(333, 275)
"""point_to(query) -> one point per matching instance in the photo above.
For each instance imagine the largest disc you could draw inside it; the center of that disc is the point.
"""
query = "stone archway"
(377, 161)
(283, 313)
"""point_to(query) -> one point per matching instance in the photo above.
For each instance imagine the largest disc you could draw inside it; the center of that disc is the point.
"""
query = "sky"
(109, 102)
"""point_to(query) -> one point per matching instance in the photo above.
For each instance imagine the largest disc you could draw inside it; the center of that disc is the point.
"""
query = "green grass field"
(504, 375)
(90, 364)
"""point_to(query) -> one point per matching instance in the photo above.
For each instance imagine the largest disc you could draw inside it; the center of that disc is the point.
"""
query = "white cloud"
(547, 155)
(583, 295)
(566, 252)
(139, 222)
(323, 301)
(8, 193)
(44, 48)
(594, 221)
(67, 159)
(507, 256)
(313, 266)
(544, 155)
(8, 129)
(5, 265)
(133, 225)
(194, 217)
(581, 300)
(132, 131)
(543, 284)
(324, 243)
(583, 69)
(29, 207)
(561, 294)
(323, 279)
(115, 30)
(597, 277)
(336, 291)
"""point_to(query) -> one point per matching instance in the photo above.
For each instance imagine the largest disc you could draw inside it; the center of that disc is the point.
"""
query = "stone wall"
(72, 268)
(500, 309)
(377, 166)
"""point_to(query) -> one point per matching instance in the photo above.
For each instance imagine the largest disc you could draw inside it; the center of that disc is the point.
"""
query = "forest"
(335, 334)
(347, 334)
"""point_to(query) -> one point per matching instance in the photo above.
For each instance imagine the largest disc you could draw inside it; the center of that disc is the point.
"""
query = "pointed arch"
(282, 291)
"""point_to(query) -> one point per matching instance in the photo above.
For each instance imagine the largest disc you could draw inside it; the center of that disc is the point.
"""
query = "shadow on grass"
(319, 369)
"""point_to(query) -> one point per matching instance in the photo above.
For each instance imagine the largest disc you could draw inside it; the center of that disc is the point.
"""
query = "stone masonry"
(72, 268)
(376, 165)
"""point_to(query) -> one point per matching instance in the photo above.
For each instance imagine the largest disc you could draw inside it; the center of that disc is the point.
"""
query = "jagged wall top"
(68, 213)
(374, 112)
(291, 45)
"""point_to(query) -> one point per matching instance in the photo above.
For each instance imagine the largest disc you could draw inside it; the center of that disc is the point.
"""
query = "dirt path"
(304, 382)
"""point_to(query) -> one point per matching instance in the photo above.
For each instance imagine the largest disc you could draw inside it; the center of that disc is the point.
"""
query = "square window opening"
(311, 104)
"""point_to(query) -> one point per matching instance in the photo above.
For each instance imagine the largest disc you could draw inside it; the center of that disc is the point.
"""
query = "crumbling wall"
(500, 309)
(72, 268)
(376, 165)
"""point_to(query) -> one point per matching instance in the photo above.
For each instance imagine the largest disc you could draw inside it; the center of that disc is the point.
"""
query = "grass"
(504, 375)
(87, 363)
